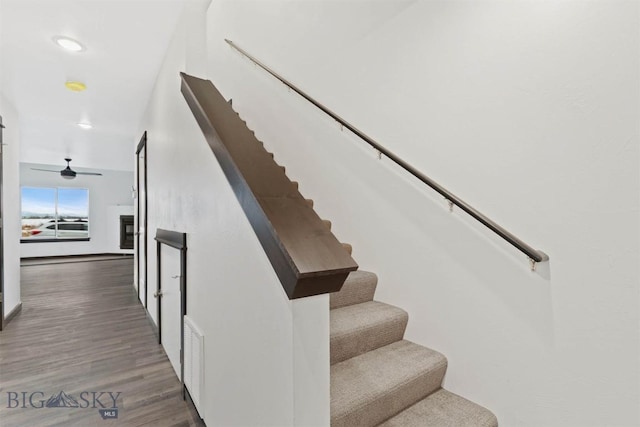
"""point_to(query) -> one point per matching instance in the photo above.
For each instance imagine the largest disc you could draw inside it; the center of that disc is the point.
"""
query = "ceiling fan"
(68, 173)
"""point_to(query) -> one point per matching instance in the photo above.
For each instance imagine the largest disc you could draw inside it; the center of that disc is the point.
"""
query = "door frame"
(142, 145)
(1, 231)
(178, 241)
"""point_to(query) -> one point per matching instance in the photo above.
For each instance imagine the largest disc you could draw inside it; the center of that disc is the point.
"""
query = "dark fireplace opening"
(126, 232)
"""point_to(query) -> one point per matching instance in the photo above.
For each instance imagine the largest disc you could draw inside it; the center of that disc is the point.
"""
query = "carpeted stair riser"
(368, 389)
(359, 287)
(359, 328)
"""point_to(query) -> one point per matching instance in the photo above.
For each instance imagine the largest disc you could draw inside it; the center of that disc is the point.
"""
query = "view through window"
(55, 213)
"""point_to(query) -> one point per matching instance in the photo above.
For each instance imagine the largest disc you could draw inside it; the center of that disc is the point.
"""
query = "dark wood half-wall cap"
(305, 255)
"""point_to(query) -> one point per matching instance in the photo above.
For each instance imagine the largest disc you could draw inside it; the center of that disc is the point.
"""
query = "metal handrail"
(534, 255)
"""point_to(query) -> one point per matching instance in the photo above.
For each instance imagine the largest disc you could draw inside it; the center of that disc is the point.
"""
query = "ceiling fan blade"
(45, 170)
(88, 173)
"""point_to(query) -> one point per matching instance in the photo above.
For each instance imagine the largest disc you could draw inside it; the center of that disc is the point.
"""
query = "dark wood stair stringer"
(306, 256)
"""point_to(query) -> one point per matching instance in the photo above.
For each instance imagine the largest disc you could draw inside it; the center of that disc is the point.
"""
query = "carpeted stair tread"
(369, 389)
(357, 329)
(443, 409)
(358, 288)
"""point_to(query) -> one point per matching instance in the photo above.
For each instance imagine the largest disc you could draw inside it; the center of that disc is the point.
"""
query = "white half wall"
(261, 358)
(112, 189)
(527, 110)
(10, 205)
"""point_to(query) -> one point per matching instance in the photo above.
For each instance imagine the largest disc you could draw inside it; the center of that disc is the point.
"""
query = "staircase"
(378, 378)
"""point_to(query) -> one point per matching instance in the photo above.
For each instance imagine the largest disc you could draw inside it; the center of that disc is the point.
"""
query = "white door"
(170, 301)
(141, 267)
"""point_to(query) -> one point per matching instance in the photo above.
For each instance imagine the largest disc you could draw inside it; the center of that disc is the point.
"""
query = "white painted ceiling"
(125, 43)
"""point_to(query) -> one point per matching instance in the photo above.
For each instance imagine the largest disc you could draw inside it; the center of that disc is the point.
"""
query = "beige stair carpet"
(380, 379)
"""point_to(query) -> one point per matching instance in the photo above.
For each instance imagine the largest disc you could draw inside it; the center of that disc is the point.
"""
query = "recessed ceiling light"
(68, 44)
(85, 125)
(75, 86)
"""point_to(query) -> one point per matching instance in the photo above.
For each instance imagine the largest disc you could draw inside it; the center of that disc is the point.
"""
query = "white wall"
(111, 189)
(253, 351)
(10, 205)
(527, 110)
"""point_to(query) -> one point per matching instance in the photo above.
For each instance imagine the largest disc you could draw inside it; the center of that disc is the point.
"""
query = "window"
(51, 214)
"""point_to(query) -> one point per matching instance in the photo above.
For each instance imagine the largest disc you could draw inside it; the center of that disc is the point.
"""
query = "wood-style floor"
(82, 329)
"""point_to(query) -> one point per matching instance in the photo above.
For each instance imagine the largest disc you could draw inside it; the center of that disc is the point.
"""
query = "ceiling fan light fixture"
(85, 125)
(69, 44)
(75, 86)
(67, 172)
